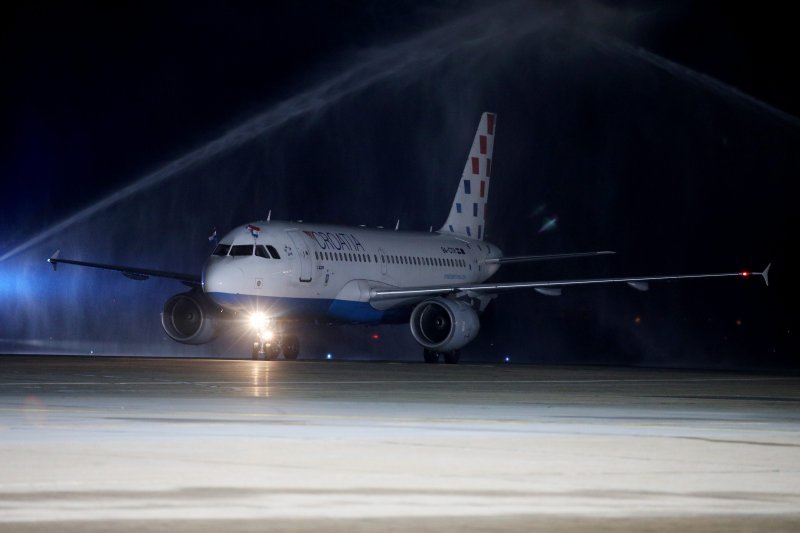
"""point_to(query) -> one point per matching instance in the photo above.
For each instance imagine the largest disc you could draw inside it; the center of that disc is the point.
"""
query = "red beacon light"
(745, 274)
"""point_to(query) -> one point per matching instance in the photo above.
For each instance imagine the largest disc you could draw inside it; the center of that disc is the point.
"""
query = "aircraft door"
(381, 258)
(303, 255)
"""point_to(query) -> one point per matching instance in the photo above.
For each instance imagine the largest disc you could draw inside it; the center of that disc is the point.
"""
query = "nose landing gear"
(270, 349)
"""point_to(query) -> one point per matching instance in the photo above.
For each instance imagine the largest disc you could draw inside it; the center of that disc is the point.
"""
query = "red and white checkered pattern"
(468, 212)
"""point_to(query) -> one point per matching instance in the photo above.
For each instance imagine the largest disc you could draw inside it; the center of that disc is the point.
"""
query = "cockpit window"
(242, 249)
(273, 251)
(222, 249)
(261, 251)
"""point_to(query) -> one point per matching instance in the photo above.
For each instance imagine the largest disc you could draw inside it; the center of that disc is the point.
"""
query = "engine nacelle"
(191, 318)
(443, 325)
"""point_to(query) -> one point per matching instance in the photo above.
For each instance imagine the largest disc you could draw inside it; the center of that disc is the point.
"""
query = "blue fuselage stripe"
(312, 308)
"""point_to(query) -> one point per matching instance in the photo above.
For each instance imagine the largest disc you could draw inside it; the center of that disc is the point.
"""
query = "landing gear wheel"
(451, 358)
(431, 357)
(272, 351)
(256, 350)
(291, 347)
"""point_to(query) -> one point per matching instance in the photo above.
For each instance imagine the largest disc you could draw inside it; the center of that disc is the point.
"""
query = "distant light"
(508, 359)
(738, 321)
(375, 336)
(329, 356)
(637, 320)
(91, 352)
(745, 274)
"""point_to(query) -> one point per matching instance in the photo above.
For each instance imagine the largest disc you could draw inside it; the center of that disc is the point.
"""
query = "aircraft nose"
(220, 277)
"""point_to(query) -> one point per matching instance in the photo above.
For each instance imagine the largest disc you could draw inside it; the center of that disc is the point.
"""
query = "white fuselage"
(328, 271)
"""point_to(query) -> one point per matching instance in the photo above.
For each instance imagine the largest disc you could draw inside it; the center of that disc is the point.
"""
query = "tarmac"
(107, 443)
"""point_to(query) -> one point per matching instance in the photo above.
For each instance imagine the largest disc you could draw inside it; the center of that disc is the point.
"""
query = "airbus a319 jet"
(274, 275)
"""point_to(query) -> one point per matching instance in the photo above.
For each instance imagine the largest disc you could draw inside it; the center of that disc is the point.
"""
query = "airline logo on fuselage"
(453, 250)
(336, 241)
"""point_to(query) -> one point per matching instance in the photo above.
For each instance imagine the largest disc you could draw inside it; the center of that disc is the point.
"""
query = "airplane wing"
(139, 274)
(528, 258)
(548, 287)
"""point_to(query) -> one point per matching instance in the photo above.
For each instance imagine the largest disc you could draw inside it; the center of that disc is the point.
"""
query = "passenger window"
(273, 252)
(242, 249)
(261, 251)
(222, 249)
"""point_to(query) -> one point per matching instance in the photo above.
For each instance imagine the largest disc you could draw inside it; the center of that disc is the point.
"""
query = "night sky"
(663, 131)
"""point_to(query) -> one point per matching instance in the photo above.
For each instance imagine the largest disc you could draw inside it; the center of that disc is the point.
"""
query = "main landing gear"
(270, 349)
(450, 358)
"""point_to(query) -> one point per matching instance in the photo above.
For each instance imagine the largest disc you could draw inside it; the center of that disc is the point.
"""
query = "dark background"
(664, 131)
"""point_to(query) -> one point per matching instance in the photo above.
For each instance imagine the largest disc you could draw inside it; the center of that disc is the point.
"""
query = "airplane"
(277, 274)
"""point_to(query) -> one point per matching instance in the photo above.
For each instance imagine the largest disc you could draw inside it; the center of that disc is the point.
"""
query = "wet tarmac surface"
(127, 443)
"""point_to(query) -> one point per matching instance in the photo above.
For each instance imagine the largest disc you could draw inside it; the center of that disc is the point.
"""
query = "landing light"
(258, 321)
(329, 356)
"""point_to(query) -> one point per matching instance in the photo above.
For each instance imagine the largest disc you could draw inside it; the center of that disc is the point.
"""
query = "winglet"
(765, 274)
(53, 260)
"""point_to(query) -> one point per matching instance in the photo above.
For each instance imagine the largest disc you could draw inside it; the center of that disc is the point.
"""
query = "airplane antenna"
(269, 215)
(397, 226)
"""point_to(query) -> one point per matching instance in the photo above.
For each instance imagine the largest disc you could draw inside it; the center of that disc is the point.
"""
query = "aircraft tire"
(451, 358)
(291, 347)
(430, 356)
(272, 351)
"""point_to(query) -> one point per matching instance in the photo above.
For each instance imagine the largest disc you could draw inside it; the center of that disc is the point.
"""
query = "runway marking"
(398, 381)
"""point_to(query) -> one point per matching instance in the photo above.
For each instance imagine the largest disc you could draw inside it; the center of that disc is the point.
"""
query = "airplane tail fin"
(468, 212)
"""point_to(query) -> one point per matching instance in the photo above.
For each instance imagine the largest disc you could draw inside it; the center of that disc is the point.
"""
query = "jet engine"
(191, 318)
(444, 325)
